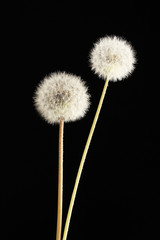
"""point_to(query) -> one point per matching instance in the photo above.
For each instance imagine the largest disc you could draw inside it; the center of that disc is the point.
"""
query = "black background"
(118, 195)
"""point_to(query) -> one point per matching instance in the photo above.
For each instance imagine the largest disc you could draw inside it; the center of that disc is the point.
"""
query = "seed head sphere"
(112, 57)
(62, 95)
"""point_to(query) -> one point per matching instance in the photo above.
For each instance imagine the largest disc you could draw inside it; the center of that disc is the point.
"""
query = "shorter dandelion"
(113, 59)
(61, 97)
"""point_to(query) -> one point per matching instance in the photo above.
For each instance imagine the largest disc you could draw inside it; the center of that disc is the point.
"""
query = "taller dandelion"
(60, 98)
(113, 59)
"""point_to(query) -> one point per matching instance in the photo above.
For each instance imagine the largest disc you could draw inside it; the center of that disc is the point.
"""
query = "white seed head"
(62, 95)
(112, 58)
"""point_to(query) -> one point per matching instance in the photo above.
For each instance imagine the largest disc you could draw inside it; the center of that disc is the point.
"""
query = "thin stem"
(60, 181)
(82, 161)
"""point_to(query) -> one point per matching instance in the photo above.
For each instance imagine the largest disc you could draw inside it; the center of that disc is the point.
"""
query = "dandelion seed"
(62, 95)
(112, 58)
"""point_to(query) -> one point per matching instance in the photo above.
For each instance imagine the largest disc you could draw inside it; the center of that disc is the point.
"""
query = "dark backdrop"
(118, 195)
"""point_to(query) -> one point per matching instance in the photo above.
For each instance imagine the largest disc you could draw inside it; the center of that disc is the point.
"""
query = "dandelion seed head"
(62, 95)
(113, 58)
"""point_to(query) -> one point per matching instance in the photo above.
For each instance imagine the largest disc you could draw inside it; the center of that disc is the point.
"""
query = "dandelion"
(112, 58)
(60, 98)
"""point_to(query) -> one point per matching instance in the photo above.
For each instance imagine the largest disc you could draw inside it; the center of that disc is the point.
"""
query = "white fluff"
(112, 58)
(62, 95)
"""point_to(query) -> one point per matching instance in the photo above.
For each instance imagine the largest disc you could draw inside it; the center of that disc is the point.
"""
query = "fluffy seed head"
(112, 58)
(61, 95)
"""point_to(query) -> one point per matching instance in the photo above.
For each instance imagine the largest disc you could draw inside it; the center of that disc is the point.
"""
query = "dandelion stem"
(60, 181)
(82, 162)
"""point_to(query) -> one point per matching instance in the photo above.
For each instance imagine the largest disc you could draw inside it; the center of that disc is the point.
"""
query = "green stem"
(82, 161)
(60, 181)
